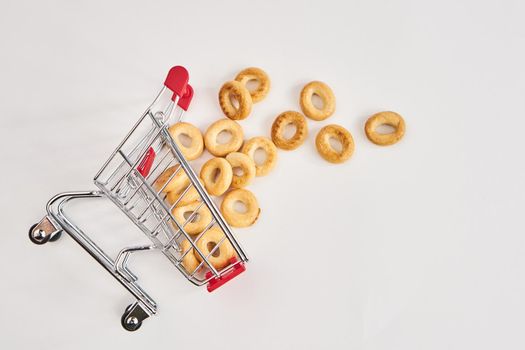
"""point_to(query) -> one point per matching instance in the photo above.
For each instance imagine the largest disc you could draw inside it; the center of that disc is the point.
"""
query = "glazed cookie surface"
(385, 118)
(216, 175)
(325, 149)
(269, 148)
(236, 218)
(279, 125)
(172, 179)
(258, 75)
(209, 241)
(234, 90)
(194, 150)
(325, 93)
(246, 165)
(198, 212)
(232, 145)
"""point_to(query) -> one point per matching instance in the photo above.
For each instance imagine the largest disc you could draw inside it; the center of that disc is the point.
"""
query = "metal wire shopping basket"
(128, 178)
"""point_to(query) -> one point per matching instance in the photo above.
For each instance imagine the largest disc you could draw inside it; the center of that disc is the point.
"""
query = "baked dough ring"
(267, 145)
(222, 149)
(247, 165)
(190, 196)
(194, 151)
(180, 180)
(216, 183)
(322, 142)
(260, 76)
(325, 93)
(235, 218)
(389, 118)
(280, 123)
(236, 90)
(222, 255)
(199, 221)
(189, 261)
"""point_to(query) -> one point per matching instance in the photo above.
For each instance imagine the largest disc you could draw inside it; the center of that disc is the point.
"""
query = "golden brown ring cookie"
(325, 93)
(267, 145)
(176, 182)
(385, 118)
(196, 147)
(260, 76)
(222, 149)
(190, 196)
(189, 261)
(216, 175)
(222, 255)
(280, 123)
(247, 165)
(235, 218)
(199, 221)
(322, 142)
(235, 90)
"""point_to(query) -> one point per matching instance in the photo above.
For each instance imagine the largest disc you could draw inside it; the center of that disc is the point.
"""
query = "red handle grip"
(185, 100)
(145, 165)
(215, 282)
(177, 80)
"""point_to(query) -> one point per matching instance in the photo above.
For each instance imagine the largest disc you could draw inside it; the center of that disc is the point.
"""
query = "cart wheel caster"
(130, 320)
(55, 237)
(38, 236)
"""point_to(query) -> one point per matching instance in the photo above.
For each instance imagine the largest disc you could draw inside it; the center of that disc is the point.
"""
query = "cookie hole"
(240, 207)
(224, 137)
(289, 131)
(336, 144)
(259, 156)
(215, 175)
(234, 101)
(187, 215)
(317, 102)
(238, 171)
(385, 129)
(210, 247)
(252, 85)
(185, 140)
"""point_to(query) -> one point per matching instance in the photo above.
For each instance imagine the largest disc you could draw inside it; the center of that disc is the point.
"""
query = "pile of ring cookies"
(233, 166)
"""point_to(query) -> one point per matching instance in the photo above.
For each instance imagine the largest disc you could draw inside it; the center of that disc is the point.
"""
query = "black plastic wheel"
(55, 237)
(36, 240)
(130, 323)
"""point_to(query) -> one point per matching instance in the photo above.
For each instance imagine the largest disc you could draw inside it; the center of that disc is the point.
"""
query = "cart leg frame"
(50, 228)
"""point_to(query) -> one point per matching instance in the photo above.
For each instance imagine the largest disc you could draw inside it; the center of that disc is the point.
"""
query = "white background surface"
(415, 246)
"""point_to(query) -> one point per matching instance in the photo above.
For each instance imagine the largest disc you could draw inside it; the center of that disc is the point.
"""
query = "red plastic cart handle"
(216, 282)
(146, 162)
(177, 80)
(185, 100)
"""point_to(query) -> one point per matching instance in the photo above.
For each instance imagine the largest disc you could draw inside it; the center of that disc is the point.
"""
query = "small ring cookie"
(196, 147)
(233, 144)
(247, 165)
(322, 142)
(239, 92)
(267, 145)
(216, 175)
(325, 93)
(198, 222)
(222, 255)
(280, 123)
(235, 218)
(189, 261)
(385, 118)
(178, 181)
(260, 76)
(190, 196)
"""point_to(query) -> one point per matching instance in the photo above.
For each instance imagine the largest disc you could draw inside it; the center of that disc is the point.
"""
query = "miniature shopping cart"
(127, 178)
